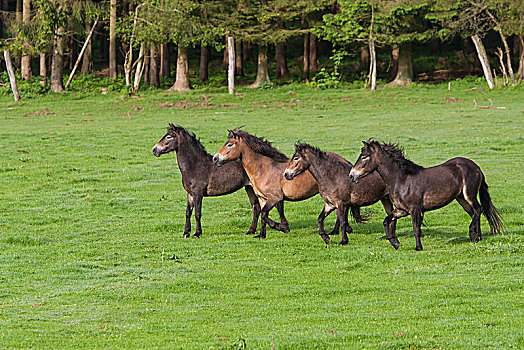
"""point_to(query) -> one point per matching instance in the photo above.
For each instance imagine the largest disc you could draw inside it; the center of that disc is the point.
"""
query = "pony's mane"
(396, 153)
(258, 145)
(190, 137)
(328, 156)
(301, 146)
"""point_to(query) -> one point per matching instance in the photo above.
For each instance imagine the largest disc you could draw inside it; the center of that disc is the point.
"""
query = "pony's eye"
(364, 157)
(296, 158)
(230, 145)
(169, 137)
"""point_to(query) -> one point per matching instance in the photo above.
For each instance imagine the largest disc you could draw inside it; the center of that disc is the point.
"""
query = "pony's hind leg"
(189, 212)
(198, 216)
(325, 212)
(474, 228)
(416, 218)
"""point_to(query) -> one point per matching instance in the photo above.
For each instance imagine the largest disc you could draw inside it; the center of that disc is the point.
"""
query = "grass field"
(91, 224)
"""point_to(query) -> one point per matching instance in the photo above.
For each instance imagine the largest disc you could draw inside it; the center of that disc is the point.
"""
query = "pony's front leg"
(390, 224)
(416, 218)
(325, 212)
(264, 218)
(255, 205)
(198, 215)
(189, 211)
(342, 216)
(283, 220)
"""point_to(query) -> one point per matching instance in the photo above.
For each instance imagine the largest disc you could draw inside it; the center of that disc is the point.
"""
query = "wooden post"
(81, 53)
(11, 73)
(231, 68)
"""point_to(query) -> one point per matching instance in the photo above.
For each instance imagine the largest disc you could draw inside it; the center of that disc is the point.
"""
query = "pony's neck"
(251, 160)
(189, 158)
(317, 167)
(388, 169)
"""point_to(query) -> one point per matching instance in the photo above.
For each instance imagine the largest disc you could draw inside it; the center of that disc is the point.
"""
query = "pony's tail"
(355, 213)
(490, 212)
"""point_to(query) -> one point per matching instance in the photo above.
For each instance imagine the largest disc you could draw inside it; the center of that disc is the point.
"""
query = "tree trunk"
(245, 51)
(364, 57)
(147, 64)
(204, 63)
(239, 70)
(182, 71)
(394, 60)
(153, 69)
(88, 53)
(280, 57)
(26, 58)
(405, 66)
(520, 72)
(506, 47)
(481, 52)
(18, 19)
(112, 40)
(312, 52)
(11, 73)
(305, 68)
(139, 67)
(57, 64)
(43, 70)
(372, 64)
(262, 71)
(165, 69)
(231, 67)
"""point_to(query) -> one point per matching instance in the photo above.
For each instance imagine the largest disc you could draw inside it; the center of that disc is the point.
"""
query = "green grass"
(91, 225)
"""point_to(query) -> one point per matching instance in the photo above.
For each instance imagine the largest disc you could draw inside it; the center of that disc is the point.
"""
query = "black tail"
(490, 212)
(355, 213)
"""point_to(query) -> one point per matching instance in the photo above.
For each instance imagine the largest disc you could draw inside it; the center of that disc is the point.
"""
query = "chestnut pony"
(335, 187)
(414, 189)
(202, 178)
(265, 166)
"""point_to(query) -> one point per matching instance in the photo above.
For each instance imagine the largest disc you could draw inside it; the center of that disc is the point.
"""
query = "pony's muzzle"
(218, 159)
(289, 174)
(156, 151)
(354, 176)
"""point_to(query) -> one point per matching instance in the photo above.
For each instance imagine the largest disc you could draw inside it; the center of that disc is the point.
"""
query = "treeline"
(134, 38)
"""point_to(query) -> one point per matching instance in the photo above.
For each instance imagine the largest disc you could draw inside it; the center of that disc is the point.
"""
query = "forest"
(182, 44)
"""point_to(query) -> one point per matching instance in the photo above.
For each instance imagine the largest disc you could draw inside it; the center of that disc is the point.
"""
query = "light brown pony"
(265, 167)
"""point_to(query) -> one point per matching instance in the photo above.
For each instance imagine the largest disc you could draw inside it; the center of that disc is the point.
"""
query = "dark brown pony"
(202, 178)
(265, 167)
(335, 187)
(414, 189)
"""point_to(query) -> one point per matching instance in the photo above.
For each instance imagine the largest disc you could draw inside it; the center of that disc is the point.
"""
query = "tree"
(112, 40)
(26, 57)
(460, 17)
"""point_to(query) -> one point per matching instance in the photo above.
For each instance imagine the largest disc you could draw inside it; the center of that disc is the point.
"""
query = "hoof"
(343, 243)
(418, 249)
(334, 233)
(196, 236)
(260, 236)
(285, 229)
(250, 233)
(325, 238)
(395, 243)
(186, 235)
